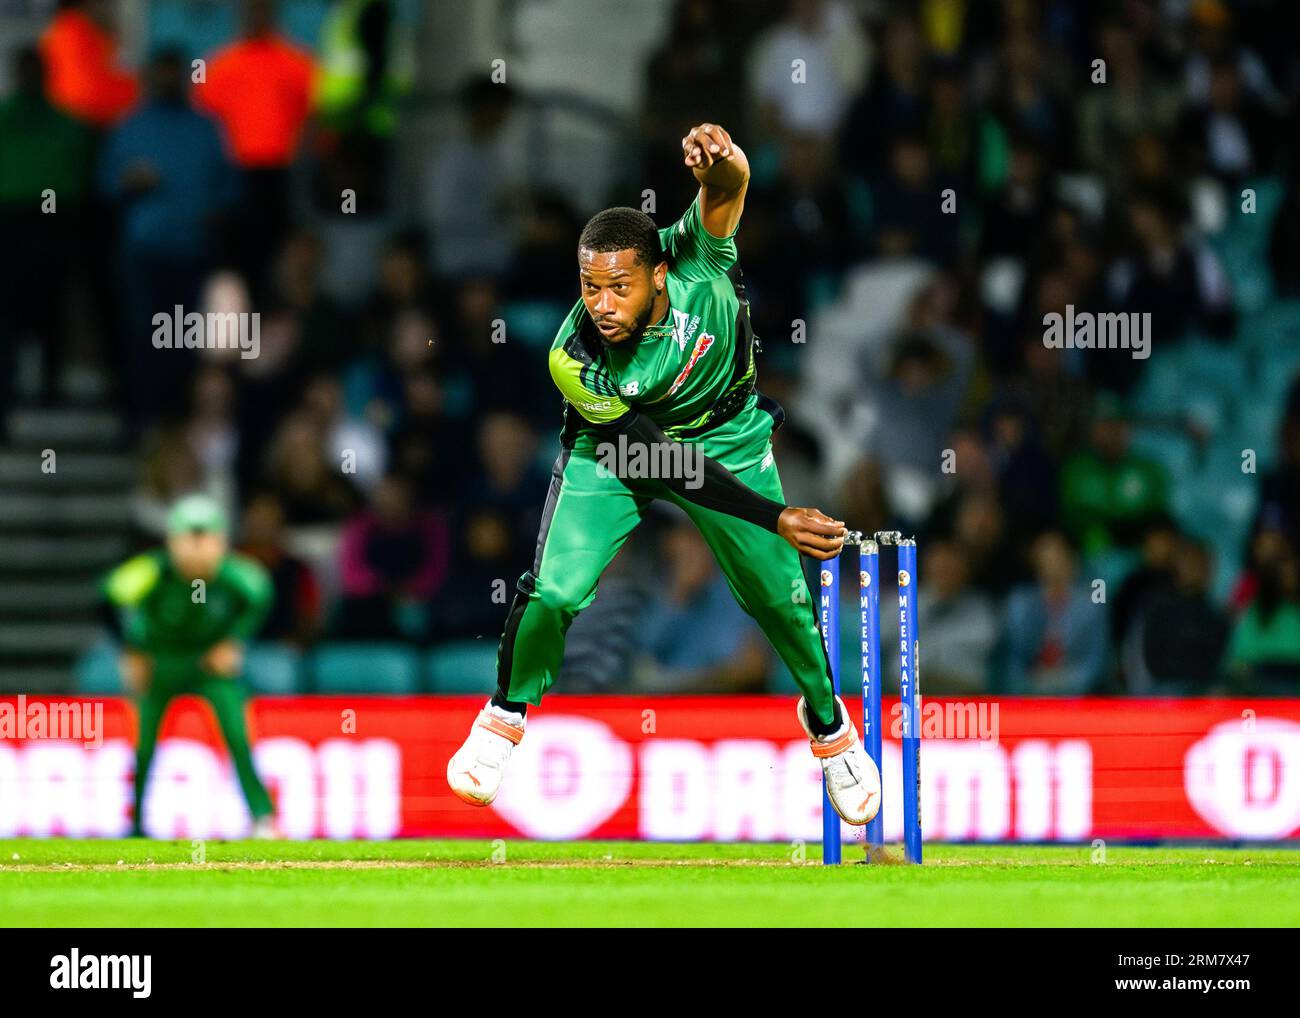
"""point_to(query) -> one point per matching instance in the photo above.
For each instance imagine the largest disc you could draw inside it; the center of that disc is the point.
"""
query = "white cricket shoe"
(851, 776)
(476, 770)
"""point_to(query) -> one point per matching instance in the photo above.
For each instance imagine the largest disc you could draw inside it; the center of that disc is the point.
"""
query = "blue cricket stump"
(830, 622)
(869, 638)
(909, 695)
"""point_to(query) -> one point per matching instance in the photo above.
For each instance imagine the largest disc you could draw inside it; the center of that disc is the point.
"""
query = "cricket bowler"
(656, 365)
(182, 636)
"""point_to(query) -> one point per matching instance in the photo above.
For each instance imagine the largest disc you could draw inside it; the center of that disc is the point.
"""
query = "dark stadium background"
(893, 332)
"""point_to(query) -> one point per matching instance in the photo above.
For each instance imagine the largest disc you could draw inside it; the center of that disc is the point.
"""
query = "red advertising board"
(668, 768)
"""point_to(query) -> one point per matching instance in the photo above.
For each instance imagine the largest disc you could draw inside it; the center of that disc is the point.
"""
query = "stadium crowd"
(945, 174)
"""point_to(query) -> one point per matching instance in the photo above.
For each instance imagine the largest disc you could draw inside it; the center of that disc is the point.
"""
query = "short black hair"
(621, 229)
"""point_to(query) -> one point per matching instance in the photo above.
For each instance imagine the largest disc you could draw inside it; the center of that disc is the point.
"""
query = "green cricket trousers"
(590, 513)
(178, 674)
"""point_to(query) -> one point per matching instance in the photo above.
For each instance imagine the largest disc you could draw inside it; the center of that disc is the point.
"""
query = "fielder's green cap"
(196, 512)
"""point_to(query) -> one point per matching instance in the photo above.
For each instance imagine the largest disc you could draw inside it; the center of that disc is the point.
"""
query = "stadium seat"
(272, 668)
(1243, 247)
(1217, 506)
(1251, 232)
(1274, 327)
(1215, 363)
(1206, 404)
(1256, 427)
(1257, 431)
(1158, 388)
(1185, 398)
(1173, 450)
(1198, 379)
(365, 668)
(1252, 283)
(1112, 566)
(1278, 368)
(466, 666)
(96, 670)
(269, 669)
(533, 322)
(1235, 494)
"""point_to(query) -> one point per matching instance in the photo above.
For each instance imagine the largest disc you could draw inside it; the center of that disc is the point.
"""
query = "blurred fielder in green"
(183, 615)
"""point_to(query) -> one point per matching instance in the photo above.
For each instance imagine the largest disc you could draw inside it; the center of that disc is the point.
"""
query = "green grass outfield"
(60, 882)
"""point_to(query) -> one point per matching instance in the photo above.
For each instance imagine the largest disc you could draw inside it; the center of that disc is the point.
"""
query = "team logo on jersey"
(684, 328)
(701, 348)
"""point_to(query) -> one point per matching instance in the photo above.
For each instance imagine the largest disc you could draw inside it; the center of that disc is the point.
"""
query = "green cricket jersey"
(692, 373)
(158, 613)
(688, 379)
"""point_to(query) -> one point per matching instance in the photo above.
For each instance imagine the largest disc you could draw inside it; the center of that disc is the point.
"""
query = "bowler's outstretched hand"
(811, 532)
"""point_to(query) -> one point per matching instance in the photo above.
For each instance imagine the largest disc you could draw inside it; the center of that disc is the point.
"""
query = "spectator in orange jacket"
(81, 72)
(259, 88)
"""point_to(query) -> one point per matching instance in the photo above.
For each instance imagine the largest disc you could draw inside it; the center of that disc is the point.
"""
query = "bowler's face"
(618, 291)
